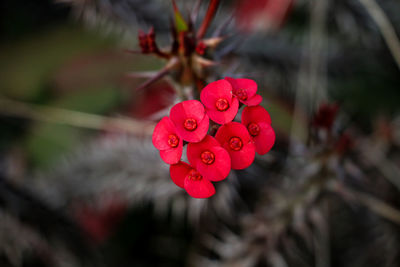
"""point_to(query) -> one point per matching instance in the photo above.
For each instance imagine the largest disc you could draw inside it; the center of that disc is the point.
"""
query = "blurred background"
(82, 185)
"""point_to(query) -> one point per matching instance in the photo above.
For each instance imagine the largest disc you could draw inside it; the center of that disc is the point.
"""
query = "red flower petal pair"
(190, 120)
(221, 105)
(245, 90)
(166, 139)
(185, 176)
(235, 138)
(258, 123)
(210, 159)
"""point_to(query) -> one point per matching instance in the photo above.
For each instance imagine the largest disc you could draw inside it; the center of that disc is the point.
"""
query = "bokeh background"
(82, 185)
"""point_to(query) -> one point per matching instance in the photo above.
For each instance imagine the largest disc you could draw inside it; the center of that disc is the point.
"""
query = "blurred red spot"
(325, 116)
(344, 144)
(99, 221)
(153, 99)
(262, 15)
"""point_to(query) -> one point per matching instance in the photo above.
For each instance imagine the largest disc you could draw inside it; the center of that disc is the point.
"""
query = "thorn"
(141, 74)
(170, 65)
(213, 42)
(141, 34)
(222, 26)
(152, 80)
(151, 33)
(205, 62)
(132, 51)
(195, 11)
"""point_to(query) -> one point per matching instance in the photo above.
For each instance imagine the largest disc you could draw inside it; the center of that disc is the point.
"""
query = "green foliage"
(28, 65)
(48, 141)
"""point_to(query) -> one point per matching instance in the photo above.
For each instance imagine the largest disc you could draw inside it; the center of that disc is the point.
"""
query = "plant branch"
(73, 118)
(195, 11)
(385, 27)
(311, 85)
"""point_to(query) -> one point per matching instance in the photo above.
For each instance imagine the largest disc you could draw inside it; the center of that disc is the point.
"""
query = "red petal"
(172, 155)
(214, 91)
(243, 158)
(190, 109)
(239, 159)
(202, 188)
(247, 84)
(187, 109)
(219, 169)
(226, 116)
(255, 114)
(196, 135)
(161, 132)
(178, 173)
(194, 150)
(265, 140)
(226, 131)
(254, 101)
(232, 81)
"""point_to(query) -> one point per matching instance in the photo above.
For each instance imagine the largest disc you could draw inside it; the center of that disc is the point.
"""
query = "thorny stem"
(317, 63)
(385, 27)
(388, 169)
(303, 195)
(212, 8)
(310, 86)
(74, 118)
(319, 219)
(309, 192)
(375, 205)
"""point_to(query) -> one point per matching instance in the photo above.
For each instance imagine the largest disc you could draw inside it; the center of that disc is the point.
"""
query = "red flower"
(185, 176)
(220, 104)
(190, 120)
(235, 138)
(166, 139)
(245, 90)
(210, 159)
(258, 123)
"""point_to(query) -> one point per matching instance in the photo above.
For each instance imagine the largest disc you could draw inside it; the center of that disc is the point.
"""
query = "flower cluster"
(234, 144)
